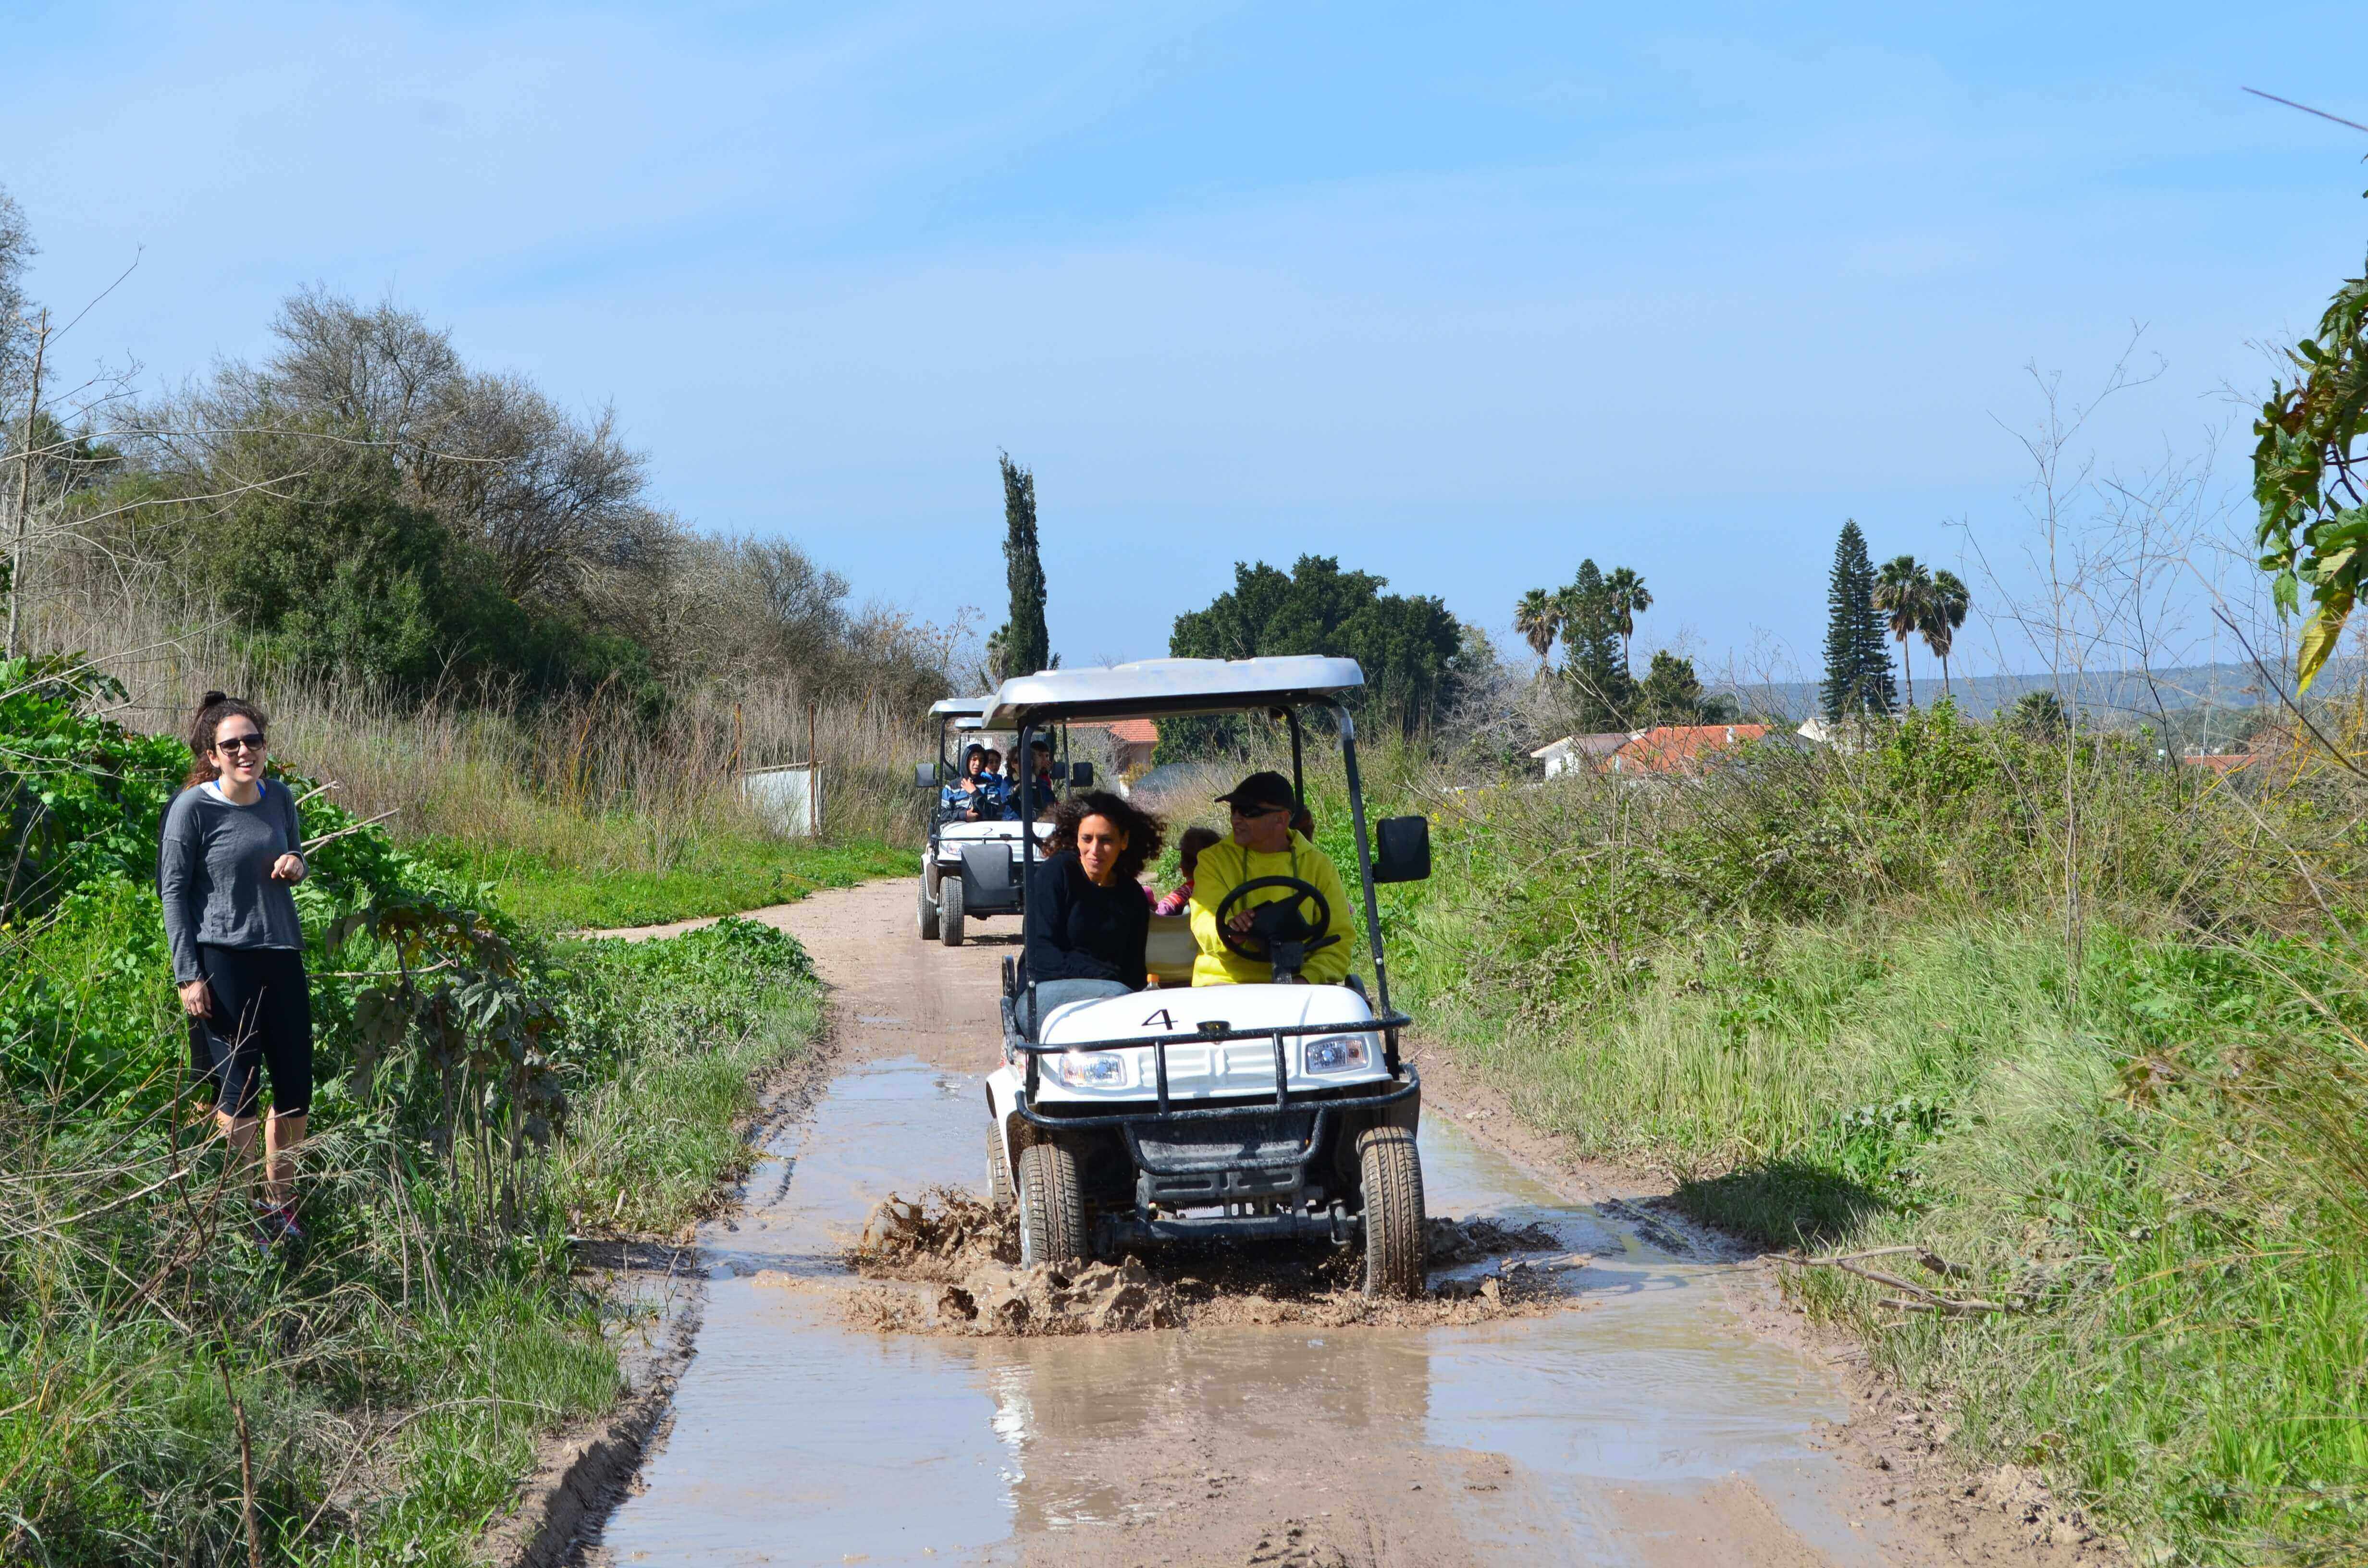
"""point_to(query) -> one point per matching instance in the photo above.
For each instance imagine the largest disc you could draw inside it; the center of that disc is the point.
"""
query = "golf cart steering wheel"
(1276, 924)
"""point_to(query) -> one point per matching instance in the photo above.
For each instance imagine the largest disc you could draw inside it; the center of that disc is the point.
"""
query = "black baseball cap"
(1262, 791)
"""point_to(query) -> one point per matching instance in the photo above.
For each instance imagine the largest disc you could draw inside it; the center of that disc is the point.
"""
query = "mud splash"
(970, 1252)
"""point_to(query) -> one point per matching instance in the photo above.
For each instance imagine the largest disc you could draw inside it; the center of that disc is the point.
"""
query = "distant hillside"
(2105, 696)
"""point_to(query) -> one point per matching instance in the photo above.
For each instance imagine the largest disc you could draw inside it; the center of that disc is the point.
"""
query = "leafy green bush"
(397, 1370)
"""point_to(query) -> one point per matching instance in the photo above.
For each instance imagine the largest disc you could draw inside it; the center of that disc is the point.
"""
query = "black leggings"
(262, 1014)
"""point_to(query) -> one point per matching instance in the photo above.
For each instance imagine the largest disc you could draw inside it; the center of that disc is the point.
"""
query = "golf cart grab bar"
(1232, 1111)
(1388, 1025)
(1203, 1037)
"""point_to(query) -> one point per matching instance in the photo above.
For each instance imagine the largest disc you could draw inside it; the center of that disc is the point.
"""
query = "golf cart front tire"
(950, 911)
(929, 914)
(999, 1196)
(1392, 1175)
(1052, 1205)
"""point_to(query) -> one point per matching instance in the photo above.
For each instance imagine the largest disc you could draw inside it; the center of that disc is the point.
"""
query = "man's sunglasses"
(1251, 814)
(239, 743)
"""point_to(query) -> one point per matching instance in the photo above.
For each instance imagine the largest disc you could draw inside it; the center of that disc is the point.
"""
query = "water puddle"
(1643, 1426)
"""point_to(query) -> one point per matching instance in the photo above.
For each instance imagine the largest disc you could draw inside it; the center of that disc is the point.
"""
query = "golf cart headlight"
(1335, 1053)
(1093, 1070)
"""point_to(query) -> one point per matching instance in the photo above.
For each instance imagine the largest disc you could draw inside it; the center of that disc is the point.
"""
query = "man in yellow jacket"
(1263, 844)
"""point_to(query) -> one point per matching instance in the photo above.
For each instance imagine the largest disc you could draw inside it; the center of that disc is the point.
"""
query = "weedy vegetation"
(2083, 1026)
(171, 1392)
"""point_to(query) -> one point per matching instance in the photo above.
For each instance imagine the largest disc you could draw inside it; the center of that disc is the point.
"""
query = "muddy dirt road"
(1641, 1424)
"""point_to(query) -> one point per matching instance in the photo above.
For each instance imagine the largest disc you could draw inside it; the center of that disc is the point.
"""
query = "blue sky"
(1458, 294)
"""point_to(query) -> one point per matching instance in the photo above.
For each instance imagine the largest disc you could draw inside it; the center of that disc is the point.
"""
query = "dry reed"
(610, 780)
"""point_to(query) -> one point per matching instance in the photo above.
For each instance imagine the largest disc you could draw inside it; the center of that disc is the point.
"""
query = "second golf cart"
(1271, 1111)
(969, 870)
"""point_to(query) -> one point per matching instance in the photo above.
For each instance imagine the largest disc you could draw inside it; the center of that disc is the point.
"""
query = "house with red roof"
(1131, 742)
(1676, 750)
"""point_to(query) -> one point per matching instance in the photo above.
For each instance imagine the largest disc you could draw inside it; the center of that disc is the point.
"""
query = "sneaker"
(274, 1227)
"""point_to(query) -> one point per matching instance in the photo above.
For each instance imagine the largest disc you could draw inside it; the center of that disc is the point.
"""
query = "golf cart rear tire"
(999, 1196)
(1052, 1205)
(950, 911)
(1392, 1175)
(928, 915)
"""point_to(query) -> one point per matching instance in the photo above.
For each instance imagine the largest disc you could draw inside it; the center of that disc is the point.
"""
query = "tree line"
(1864, 607)
(1417, 659)
(1594, 619)
(361, 504)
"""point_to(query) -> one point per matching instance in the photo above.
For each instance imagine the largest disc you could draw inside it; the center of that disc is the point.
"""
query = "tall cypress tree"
(1021, 645)
(1858, 660)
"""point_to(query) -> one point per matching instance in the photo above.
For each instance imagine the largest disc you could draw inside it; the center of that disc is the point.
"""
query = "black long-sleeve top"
(1077, 930)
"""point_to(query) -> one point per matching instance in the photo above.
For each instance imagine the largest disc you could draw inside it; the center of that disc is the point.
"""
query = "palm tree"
(1628, 597)
(1903, 591)
(1945, 604)
(1538, 618)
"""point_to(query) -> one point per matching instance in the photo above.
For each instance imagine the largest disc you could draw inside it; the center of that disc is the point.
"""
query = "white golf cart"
(1276, 1111)
(969, 870)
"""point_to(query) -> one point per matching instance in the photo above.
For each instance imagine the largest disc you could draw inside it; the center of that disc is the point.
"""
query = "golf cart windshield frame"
(1065, 713)
(955, 719)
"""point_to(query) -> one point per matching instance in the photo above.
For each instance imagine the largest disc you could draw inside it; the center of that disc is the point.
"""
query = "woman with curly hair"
(1086, 916)
(233, 848)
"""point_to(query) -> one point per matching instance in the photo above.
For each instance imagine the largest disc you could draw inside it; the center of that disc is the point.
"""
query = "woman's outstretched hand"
(288, 868)
(196, 1000)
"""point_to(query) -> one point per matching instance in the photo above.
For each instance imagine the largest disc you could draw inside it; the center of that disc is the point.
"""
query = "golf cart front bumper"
(988, 865)
(988, 872)
(1239, 1169)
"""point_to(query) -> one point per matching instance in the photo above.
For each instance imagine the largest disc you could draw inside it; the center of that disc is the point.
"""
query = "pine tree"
(1591, 654)
(1858, 662)
(1023, 644)
(1671, 693)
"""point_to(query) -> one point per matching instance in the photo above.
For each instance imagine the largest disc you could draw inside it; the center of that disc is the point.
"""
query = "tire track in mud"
(1644, 1423)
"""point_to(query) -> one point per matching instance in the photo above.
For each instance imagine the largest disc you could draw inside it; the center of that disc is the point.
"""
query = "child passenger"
(1188, 852)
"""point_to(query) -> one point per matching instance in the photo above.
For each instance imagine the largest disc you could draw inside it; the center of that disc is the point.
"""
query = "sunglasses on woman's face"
(239, 743)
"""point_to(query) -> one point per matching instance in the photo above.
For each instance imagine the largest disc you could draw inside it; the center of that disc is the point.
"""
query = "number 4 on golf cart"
(1269, 1111)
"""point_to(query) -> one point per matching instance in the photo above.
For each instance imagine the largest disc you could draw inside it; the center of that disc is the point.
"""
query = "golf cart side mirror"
(1081, 775)
(925, 774)
(1402, 849)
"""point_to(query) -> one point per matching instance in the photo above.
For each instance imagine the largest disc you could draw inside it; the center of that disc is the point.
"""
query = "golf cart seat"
(1169, 949)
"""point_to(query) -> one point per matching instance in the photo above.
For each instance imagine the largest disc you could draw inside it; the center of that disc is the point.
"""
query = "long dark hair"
(1144, 834)
(212, 708)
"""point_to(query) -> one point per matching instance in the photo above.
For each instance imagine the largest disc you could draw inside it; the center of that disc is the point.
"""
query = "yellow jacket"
(1225, 866)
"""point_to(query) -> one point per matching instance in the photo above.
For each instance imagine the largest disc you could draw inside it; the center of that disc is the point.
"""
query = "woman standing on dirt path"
(1087, 915)
(232, 850)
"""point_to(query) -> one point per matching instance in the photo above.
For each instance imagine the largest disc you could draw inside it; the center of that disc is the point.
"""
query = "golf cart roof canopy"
(958, 707)
(1151, 688)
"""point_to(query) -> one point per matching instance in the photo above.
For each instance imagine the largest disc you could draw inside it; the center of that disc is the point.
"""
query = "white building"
(1587, 752)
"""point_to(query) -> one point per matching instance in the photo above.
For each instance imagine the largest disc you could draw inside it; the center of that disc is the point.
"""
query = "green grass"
(654, 1143)
(2189, 1357)
(482, 1091)
(406, 1364)
(1832, 999)
(714, 874)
